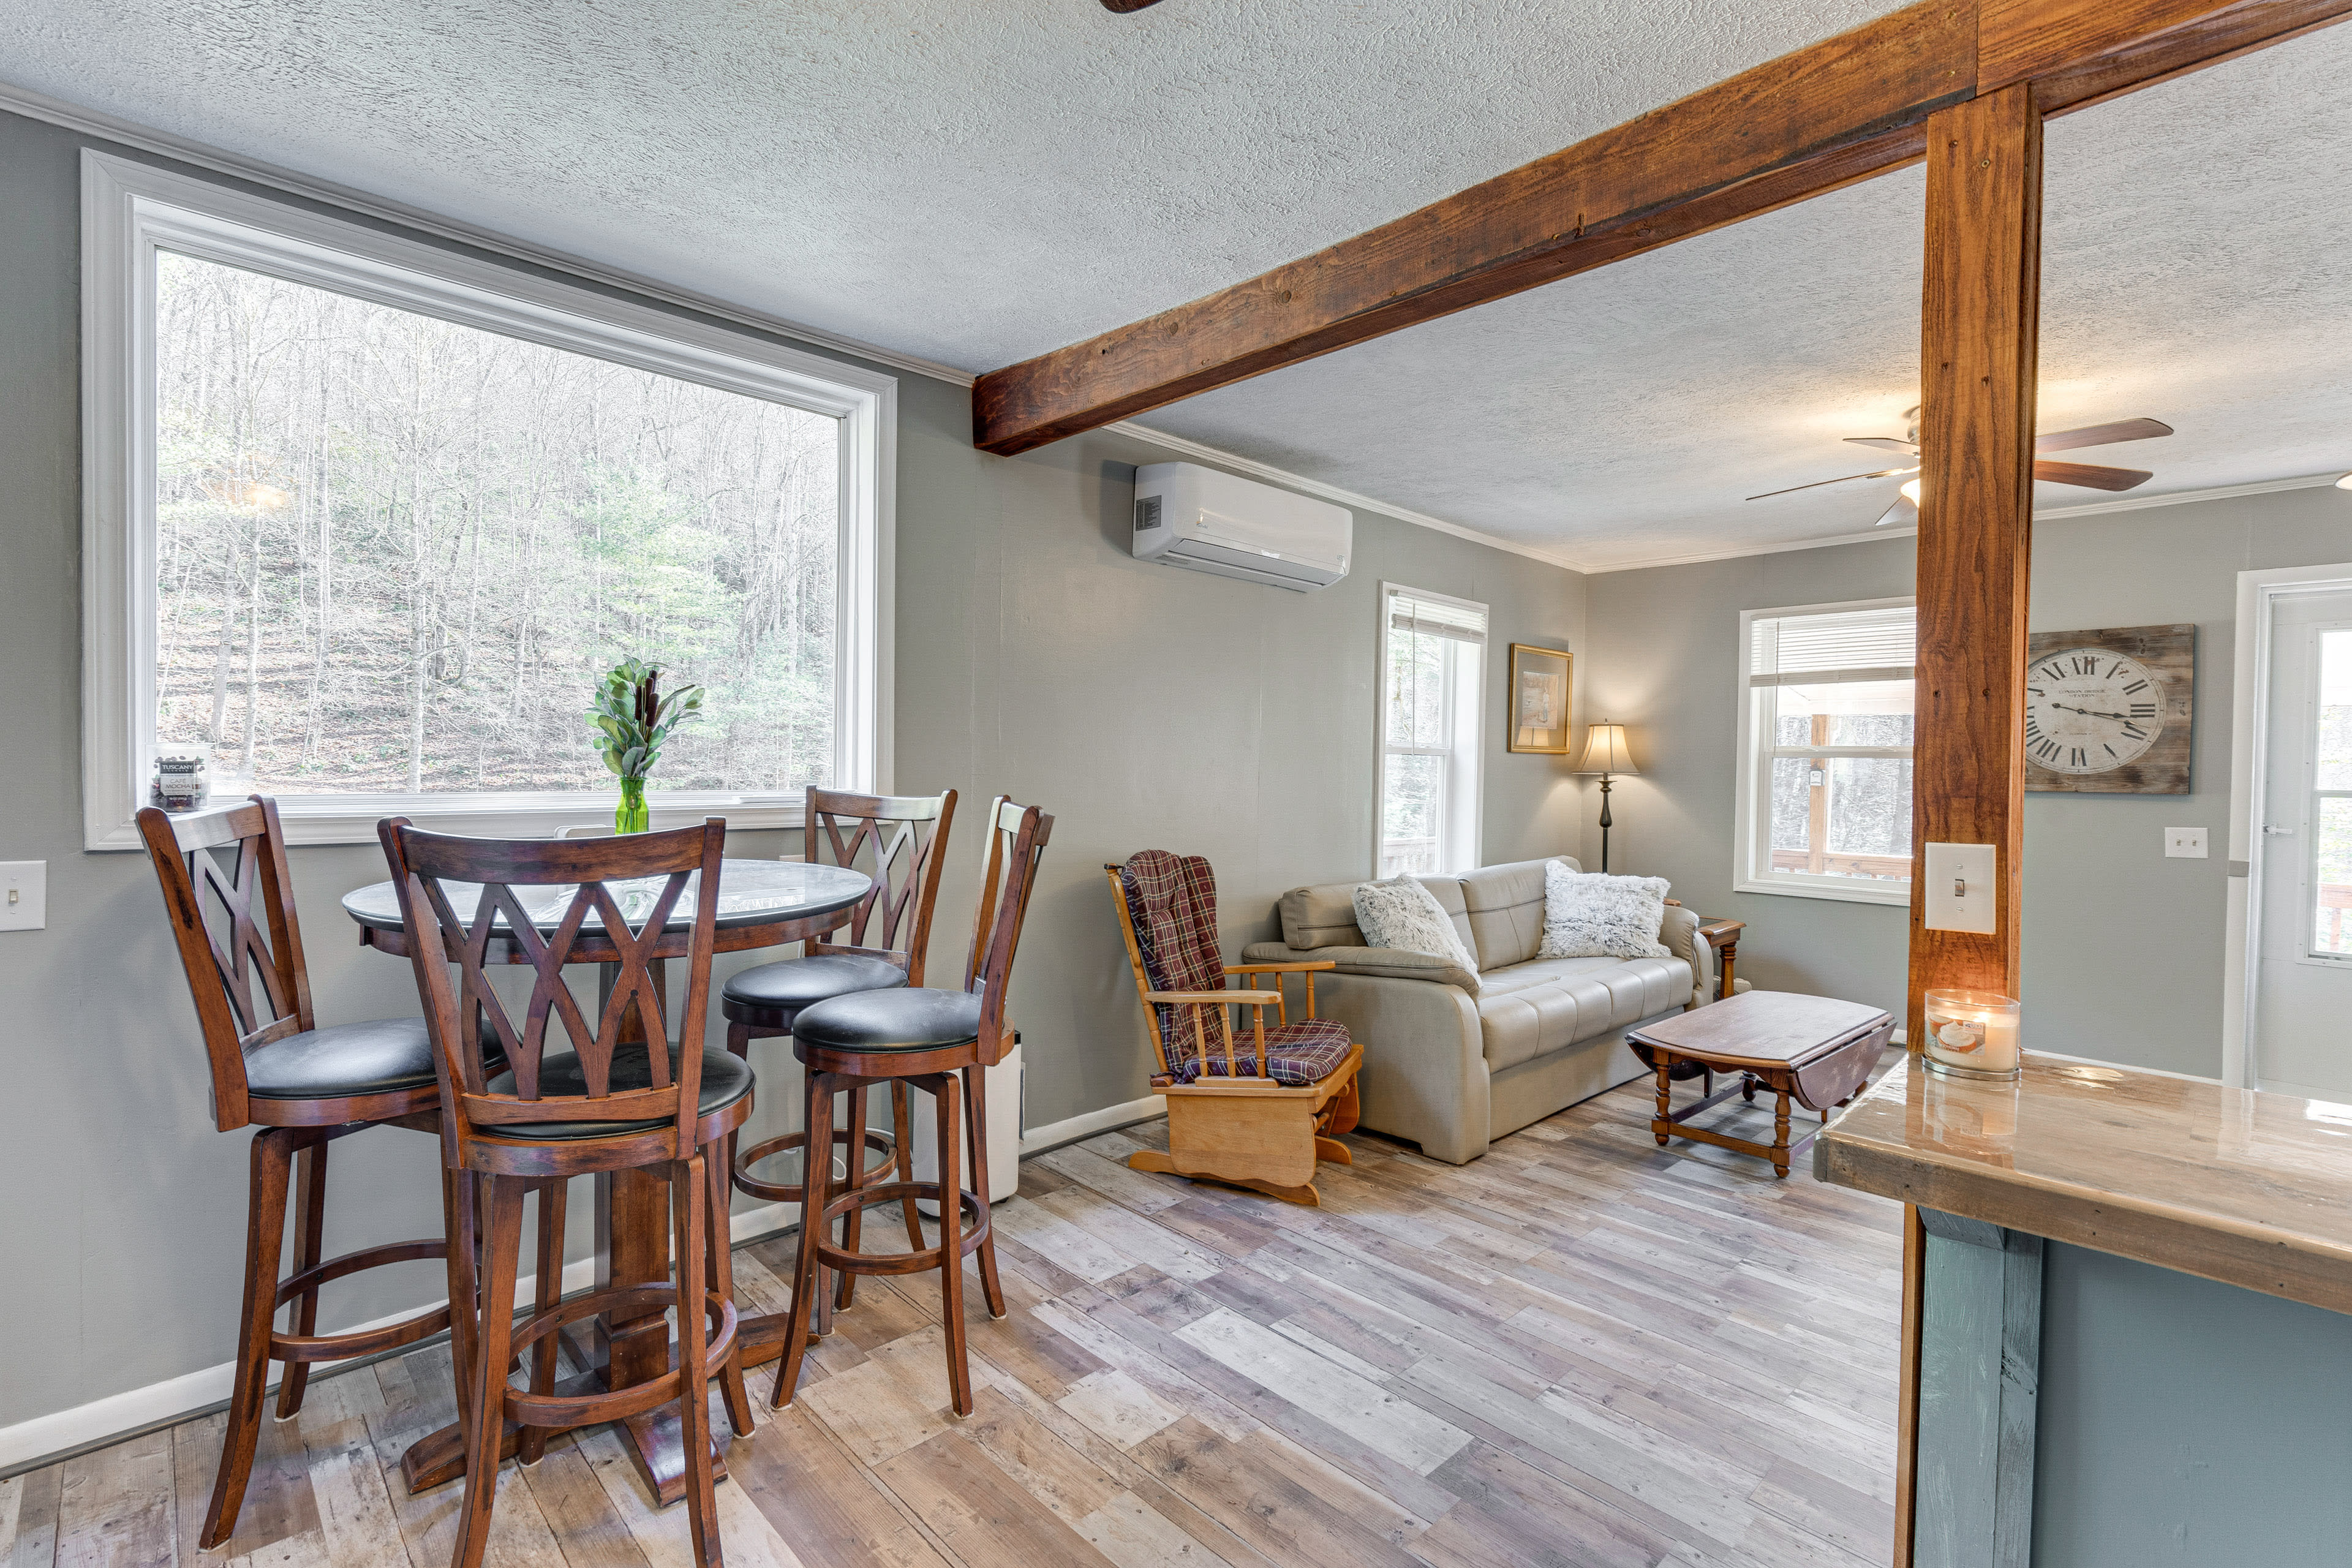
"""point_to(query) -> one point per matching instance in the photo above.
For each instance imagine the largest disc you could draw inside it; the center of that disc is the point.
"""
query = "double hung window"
(1825, 737)
(367, 519)
(1432, 661)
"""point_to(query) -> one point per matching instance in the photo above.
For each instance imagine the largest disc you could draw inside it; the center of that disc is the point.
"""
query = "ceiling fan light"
(2344, 483)
(1911, 490)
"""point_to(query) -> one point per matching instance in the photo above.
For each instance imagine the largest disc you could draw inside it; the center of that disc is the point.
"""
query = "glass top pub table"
(762, 903)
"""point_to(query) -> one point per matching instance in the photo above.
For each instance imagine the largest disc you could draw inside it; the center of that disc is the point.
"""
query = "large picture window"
(371, 516)
(1825, 736)
(1433, 662)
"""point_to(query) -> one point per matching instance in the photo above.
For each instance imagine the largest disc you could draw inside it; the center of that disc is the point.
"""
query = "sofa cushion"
(1325, 914)
(1529, 1010)
(1402, 913)
(1506, 910)
(1602, 916)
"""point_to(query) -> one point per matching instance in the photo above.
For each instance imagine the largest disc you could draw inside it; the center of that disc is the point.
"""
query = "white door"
(2303, 1008)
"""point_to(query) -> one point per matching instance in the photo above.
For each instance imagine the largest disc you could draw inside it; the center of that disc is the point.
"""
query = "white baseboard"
(177, 1398)
(1053, 1133)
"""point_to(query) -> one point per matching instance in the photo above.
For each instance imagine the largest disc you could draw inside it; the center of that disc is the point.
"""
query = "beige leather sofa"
(1453, 1060)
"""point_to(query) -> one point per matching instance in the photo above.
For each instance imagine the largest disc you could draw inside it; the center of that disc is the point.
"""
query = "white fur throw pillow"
(1597, 916)
(1401, 913)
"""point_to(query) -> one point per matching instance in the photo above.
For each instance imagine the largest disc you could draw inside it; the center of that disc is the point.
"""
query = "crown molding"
(2179, 497)
(1267, 471)
(40, 106)
(1699, 557)
(2041, 514)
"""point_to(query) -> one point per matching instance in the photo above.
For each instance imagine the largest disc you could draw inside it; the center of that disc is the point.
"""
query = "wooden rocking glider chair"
(1259, 1115)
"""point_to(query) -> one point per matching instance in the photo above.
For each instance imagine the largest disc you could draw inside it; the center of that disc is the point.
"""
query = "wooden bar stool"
(900, 841)
(627, 1096)
(939, 1041)
(230, 898)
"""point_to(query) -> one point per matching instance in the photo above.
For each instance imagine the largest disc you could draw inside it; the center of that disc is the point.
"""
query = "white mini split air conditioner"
(1186, 515)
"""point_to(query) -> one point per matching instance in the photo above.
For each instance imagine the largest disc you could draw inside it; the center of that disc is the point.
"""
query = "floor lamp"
(1605, 753)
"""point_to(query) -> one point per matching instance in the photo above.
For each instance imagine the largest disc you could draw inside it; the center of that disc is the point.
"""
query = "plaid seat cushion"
(1296, 1053)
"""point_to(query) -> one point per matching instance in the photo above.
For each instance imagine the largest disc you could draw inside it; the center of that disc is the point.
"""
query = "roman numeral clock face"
(2088, 710)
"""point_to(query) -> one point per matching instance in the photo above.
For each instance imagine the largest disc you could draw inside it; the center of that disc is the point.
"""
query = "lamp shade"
(1605, 752)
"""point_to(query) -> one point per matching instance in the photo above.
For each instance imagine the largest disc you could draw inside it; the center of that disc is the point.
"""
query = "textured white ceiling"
(975, 184)
(2197, 269)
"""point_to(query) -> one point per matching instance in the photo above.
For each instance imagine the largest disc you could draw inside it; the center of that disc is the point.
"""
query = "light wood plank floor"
(1580, 1350)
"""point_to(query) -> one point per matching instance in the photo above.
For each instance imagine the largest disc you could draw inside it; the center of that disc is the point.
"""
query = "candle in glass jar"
(1974, 1033)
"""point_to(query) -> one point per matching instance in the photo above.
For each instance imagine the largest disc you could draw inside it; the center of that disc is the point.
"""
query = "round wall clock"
(2088, 710)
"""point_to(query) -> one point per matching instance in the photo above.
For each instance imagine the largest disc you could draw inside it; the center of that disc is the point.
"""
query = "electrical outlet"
(24, 894)
(2184, 844)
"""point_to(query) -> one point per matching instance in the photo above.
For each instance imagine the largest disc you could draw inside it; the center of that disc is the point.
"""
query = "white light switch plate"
(24, 894)
(2184, 844)
(1960, 893)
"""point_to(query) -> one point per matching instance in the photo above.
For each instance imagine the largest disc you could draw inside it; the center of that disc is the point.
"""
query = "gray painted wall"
(1144, 706)
(2123, 947)
(2186, 1423)
(1666, 644)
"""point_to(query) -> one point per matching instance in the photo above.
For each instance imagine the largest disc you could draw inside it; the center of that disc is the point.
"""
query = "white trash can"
(1003, 1133)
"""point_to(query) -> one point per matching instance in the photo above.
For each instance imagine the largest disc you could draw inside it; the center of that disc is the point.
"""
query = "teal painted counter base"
(2079, 1410)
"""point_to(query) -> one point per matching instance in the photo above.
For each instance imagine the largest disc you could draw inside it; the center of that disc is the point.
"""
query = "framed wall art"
(1540, 689)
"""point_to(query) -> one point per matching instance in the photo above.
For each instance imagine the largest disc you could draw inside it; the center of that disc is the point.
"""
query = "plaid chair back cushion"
(1172, 899)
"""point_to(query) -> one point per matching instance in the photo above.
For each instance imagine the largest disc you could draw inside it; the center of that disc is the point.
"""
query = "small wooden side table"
(1721, 932)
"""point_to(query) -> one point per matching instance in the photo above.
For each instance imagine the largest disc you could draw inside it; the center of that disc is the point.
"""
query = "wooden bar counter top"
(2250, 1189)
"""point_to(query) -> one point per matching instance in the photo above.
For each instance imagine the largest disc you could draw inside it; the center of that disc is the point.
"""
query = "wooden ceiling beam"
(1838, 110)
(1827, 115)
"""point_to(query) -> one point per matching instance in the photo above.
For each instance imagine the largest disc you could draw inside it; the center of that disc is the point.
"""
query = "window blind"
(1841, 644)
(1431, 618)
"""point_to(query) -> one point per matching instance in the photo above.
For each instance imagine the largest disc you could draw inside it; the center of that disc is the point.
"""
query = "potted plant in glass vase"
(631, 720)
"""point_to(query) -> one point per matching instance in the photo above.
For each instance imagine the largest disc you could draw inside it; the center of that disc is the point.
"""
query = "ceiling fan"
(2091, 476)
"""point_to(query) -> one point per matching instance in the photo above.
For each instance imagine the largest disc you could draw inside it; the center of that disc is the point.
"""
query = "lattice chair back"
(615, 897)
(899, 841)
(230, 898)
(1172, 902)
(1011, 846)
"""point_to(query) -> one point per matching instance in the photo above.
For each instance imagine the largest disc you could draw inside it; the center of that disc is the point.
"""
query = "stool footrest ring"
(978, 1223)
(791, 1191)
(557, 1411)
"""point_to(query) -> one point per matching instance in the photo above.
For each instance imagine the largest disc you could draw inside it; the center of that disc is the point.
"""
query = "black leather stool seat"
(907, 1019)
(382, 1055)
(772, 994)
(725, 1079)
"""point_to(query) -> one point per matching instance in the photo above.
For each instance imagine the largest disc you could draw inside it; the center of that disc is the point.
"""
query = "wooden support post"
(1978, 321)
(1979, 1376)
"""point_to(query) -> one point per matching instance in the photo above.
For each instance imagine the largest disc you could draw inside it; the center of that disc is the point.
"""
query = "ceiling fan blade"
(1792, 490)
(1124, 7)
(2091, 476)
(2101, 435)
(1887, 444)
(1902, 511)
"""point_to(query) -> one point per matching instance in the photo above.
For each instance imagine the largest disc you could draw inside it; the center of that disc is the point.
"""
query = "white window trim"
(1477, 764)
(129, 208)
(1755, 772)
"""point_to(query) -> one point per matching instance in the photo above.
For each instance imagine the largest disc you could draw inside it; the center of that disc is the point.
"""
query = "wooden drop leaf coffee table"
(1816, 1050)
